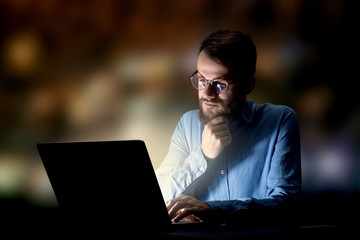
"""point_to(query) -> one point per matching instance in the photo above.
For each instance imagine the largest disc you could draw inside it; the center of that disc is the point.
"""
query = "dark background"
(109, 69)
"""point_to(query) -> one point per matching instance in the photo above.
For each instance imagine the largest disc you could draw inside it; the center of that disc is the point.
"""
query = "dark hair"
(232, 48)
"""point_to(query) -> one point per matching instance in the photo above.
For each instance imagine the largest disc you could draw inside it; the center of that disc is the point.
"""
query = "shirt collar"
(247, 115)
(249, 111)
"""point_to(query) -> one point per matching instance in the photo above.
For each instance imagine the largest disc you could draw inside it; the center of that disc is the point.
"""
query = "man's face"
(213, 104)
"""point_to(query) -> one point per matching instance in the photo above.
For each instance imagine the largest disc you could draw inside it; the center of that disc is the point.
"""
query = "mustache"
(209, 100)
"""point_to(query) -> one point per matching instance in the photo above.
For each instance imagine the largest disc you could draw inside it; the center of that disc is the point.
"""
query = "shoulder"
(274, 115)
(190, 116)
(188, 129)
(278, 119)
(276, 111)
(189, 120)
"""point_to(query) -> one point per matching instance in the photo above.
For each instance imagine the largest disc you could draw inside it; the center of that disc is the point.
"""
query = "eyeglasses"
(200, 83)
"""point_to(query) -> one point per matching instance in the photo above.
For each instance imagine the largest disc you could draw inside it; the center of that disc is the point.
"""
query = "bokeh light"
(109, 69)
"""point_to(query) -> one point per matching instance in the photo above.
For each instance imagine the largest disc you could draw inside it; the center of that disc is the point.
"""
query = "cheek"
(201, 94)
(226, 99)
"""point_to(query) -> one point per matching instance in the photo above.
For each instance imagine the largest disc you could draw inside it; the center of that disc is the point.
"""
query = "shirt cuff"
(195, 165)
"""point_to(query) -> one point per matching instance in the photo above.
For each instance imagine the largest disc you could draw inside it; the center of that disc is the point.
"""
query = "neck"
(237, 109)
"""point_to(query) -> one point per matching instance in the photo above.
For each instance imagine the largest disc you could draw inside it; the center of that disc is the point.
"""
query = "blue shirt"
(260, 169)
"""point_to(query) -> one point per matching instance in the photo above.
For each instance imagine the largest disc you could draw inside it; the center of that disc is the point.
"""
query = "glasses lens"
(198, 82)
(202, 82)
(220, 87)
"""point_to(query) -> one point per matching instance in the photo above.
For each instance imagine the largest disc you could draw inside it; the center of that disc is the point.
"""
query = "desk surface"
(46, 223)
(298, 232)
(47, 227)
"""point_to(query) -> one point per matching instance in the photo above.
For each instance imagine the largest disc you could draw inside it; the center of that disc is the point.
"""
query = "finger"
(170, 203)
(219, 120)
(225, 140)
(192, 218)
(223, 136)
(218, 127)
(182, 214)
(218, 132)
(174, 210)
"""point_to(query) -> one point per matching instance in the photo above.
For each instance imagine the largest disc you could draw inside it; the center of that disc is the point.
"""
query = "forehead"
(211, 68)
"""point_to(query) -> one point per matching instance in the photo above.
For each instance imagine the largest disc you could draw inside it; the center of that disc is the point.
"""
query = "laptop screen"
(105, 180)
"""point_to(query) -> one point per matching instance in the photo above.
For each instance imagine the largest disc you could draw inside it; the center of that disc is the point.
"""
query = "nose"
(210, 91)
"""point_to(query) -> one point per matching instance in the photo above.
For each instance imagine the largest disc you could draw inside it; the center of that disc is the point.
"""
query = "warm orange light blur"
(109, 69)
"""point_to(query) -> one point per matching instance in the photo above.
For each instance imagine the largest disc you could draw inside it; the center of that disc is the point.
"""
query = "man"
(232, 160)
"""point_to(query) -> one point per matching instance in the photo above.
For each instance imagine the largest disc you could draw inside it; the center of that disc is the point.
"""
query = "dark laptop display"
(107, 184)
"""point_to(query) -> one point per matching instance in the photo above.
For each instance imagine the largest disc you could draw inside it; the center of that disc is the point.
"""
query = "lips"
(208, 104)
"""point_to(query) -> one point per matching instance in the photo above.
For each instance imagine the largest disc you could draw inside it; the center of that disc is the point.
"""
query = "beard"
(231, 112)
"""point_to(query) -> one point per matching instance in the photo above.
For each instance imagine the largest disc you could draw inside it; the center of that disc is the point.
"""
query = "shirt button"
(222, 172)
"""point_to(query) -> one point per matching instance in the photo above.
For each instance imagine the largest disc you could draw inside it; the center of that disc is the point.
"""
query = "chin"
(207, 116)
(211, 112)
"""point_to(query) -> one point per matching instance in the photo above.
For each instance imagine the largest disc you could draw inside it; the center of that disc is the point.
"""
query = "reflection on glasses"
(200, 83)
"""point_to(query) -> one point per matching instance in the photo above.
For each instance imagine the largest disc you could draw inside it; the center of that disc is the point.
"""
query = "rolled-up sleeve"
(183, 164)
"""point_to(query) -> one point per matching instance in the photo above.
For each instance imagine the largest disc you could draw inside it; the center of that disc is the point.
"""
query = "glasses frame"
(211, 83)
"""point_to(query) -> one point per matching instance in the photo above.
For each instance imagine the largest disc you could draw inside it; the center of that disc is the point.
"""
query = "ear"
(250, 85)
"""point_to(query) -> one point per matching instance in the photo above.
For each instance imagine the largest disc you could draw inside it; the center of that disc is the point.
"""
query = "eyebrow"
(217, 78)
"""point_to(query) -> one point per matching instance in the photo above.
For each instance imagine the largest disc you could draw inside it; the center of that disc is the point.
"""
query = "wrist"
(208, 159)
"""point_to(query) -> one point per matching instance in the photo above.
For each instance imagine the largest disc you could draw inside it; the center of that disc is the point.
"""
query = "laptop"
(105, 185)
